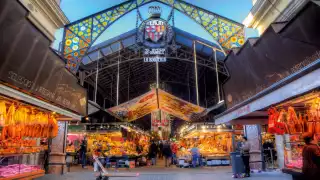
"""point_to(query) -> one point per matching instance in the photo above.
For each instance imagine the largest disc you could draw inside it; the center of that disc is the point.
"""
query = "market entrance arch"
(79, 36)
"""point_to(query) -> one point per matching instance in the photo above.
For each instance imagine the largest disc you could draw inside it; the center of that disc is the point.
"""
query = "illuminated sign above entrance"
(155, 34)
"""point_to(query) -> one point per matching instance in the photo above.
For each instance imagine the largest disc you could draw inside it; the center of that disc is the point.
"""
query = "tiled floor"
(158, 173)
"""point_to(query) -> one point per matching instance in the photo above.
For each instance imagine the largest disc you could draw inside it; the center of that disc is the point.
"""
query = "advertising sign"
(28, 64)
(137, 107)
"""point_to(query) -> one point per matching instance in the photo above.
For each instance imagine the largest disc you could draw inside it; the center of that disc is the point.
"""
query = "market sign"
(152, 101)
(155, 34)
(137, 107)
(29, 65)
(177, 107)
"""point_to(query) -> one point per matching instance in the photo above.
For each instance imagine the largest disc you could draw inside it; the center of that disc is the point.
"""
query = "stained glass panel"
(83, 29)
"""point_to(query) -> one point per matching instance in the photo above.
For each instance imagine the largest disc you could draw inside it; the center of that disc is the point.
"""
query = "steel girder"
(80, 35)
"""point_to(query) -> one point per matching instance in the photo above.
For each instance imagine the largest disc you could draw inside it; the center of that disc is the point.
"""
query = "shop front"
(122, 144)
(215, 142)
(269, 78)
(37, 96)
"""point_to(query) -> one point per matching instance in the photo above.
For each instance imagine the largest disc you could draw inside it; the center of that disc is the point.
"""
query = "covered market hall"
(154, 97)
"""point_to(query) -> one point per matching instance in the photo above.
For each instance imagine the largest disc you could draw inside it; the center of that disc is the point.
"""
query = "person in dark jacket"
(245, 154)
(160, 150)
(83, 152)
(167, 152)
(311, 158)
(153, 150)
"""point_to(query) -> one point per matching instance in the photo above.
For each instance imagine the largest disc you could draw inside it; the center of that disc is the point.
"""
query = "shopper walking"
(167, 152)
(195, 152)
(174, 148)
(311, 158)
(97, 153)
(153, 149)
(83, 152)
(160, 150)
(245, 153)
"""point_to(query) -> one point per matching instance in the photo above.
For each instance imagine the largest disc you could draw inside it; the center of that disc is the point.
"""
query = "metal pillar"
(157, 70)
(217, 74)
(196, 71)
(118, 75)
(97, 75)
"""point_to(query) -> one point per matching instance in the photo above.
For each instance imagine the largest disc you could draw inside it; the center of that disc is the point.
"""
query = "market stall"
(291, 119)
(25, 130)
(118, 141)
(214, 143)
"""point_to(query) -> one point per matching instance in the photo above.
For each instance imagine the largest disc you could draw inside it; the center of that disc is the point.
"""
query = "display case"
(21, 166)
(293, 152)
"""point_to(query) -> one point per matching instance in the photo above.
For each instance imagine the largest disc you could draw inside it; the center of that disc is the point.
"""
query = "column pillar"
(280, 150)
(253, 133)
(57, 162)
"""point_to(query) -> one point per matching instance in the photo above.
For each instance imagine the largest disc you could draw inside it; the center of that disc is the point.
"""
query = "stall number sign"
(155, 55)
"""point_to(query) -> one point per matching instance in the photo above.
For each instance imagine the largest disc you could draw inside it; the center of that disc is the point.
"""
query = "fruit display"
(209, 144)
(17, 169)
(113, 144)
(70, 149)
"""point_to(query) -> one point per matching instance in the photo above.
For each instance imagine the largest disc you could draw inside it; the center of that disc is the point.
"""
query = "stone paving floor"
(158, 173)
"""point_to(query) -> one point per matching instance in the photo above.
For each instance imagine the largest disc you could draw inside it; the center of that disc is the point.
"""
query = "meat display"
(15, 169)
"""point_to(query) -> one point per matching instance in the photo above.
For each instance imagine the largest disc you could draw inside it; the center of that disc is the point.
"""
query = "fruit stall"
(116, 139)
(213, 141)
(291, 119)
(24, 130)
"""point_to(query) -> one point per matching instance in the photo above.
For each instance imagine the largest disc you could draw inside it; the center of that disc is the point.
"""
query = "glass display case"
(293, 152)
(21, 166)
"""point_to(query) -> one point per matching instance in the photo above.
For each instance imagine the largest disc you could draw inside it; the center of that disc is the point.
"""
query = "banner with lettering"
(160, 119)
(34, 68)
(176, 106)
(137, 107)
(149, 102)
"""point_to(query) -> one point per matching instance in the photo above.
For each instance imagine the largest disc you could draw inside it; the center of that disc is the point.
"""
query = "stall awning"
(297, 87)
(7, 91)
(153, 100)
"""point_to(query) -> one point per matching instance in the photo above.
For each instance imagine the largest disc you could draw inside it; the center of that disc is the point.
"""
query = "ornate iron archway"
(80, 35)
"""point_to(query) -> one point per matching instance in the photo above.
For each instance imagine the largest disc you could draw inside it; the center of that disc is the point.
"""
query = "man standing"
(311, 158)
(167, 152)
(83, 152)
(245, 153)
(195, 152)
(160, 150)
(153, 149)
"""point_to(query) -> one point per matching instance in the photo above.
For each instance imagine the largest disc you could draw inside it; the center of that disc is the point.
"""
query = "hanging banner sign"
(148, 103)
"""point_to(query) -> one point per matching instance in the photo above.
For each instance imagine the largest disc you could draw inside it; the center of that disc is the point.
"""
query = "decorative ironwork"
(80, 35)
